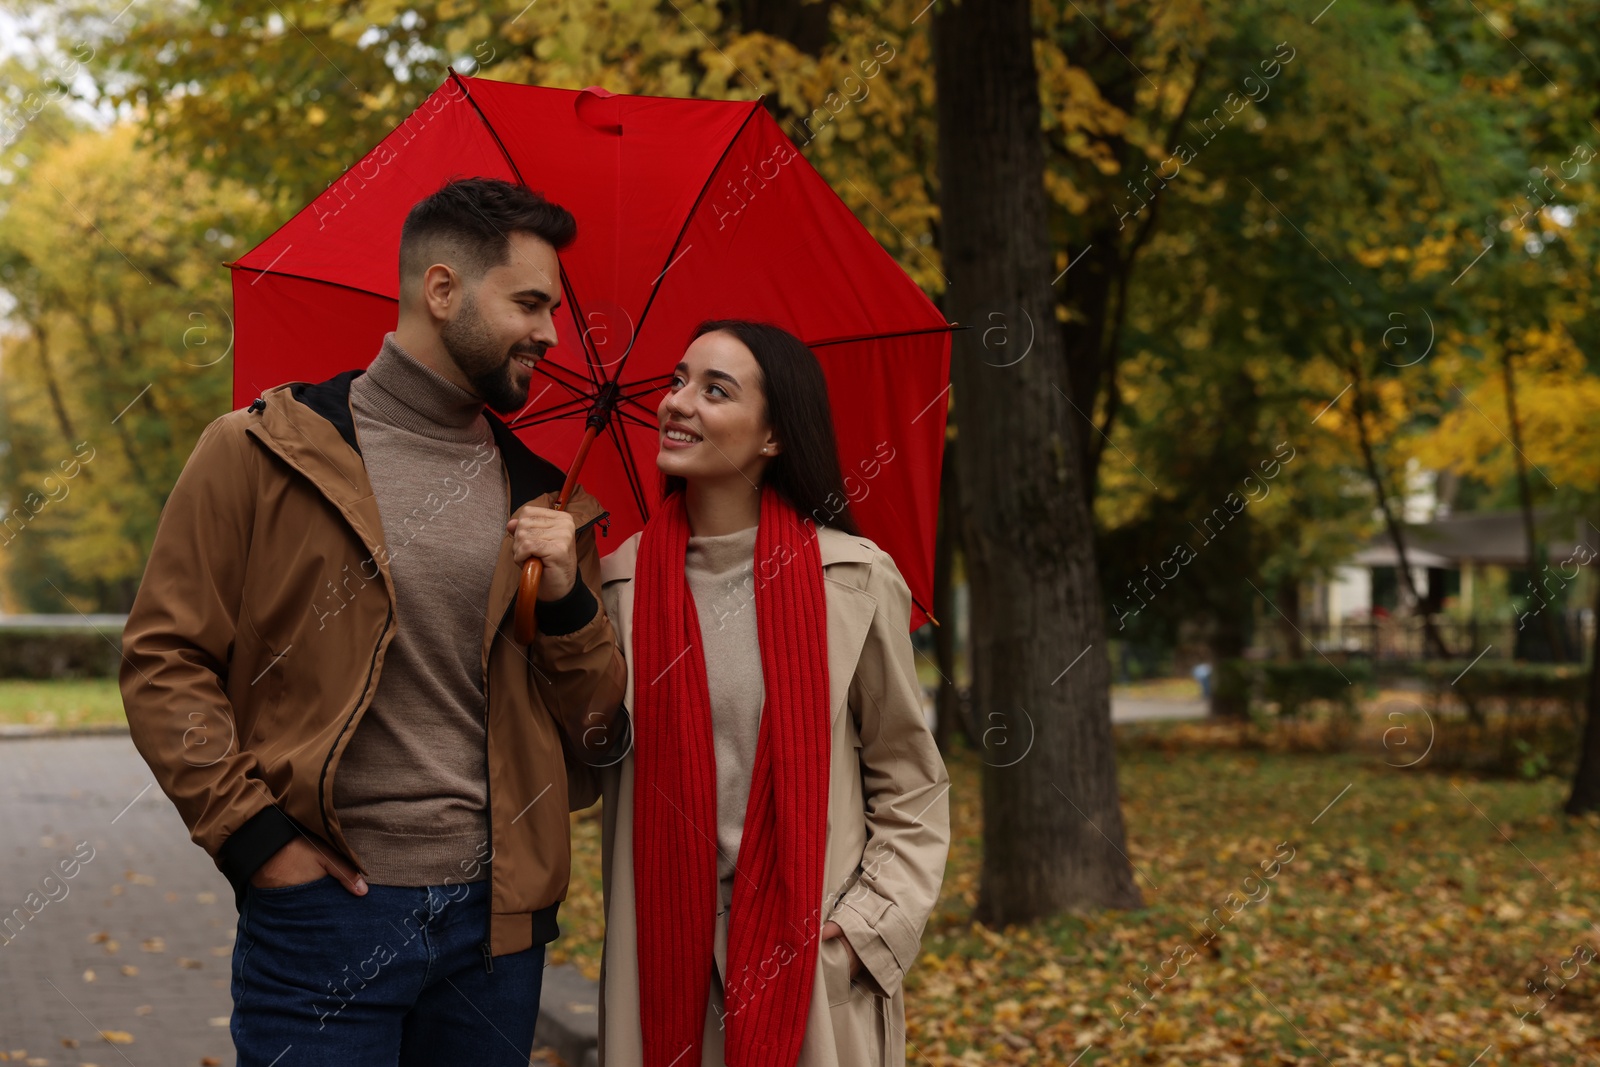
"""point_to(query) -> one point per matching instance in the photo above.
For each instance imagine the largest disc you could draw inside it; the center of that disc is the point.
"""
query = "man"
(321, 670)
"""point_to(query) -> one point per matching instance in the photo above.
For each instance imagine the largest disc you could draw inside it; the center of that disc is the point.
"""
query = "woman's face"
(712, 420)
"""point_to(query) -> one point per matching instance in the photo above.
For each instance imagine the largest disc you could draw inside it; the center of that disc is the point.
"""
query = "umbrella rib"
(539, 418)
(578, 393)
(485, 120)
(236, 265)
(654, 417)
(633, 398)
(590, 357)
(948, 327)
(655, 286)
(630, 470)
(580, 389)
(662, 378)
(581, 397)
(638, 420)
(572, 408)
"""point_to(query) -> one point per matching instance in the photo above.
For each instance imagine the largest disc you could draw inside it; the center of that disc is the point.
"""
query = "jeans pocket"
(281, 890)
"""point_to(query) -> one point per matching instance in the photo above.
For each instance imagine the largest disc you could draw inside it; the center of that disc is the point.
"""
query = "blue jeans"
(396, 977)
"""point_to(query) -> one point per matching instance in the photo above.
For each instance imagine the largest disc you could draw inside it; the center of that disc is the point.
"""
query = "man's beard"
(483, 361)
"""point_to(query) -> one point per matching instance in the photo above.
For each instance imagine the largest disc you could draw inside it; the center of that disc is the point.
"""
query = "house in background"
(1465, 565)
(1471, 572)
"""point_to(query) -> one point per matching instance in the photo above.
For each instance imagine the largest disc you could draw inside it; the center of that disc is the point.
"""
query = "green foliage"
(112, 254)
(1293, 684)
(1287, 274)
(297, 91)
(54, 653)
(1269, 221)
(1507, 681)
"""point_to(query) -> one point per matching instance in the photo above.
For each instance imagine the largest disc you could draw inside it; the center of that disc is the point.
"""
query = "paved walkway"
(138, 941)
(1129, 709)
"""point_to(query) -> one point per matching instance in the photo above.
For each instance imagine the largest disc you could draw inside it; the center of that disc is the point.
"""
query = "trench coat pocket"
(835, 970)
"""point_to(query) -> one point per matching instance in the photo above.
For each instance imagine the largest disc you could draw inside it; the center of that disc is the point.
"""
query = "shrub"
(54, 652)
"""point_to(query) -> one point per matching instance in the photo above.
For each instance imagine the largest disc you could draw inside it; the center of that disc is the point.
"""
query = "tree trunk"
(1585, 795)
(1395, 526)
(69, 433)
(1230, 677)
(1550, 609)
(948, 719)
(801, 24)
(1098, 307)
(1053, 831)
(1289, 621)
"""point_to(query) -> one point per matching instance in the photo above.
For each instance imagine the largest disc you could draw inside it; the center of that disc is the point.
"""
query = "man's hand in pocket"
(302, 861)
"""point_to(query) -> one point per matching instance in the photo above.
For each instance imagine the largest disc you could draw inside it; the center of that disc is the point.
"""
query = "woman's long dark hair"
(806, 472)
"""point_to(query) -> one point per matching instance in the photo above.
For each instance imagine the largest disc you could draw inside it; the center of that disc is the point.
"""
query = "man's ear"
(441, 286)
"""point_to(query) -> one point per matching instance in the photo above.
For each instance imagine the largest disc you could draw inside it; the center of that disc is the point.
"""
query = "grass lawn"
(1404, 928)
(1175, 689)
(69, 702)
(1159, 689)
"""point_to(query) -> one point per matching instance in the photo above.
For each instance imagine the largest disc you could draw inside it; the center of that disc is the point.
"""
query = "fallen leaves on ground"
(1424, 919)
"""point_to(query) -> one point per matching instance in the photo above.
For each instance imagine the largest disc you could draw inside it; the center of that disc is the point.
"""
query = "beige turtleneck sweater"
(412, 785)
(721, 571)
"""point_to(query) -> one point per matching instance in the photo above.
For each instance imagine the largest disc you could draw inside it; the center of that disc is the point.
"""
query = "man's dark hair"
(468, 223)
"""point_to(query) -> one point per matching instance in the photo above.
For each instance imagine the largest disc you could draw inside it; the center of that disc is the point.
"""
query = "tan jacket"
(258, 634)
(888, 822)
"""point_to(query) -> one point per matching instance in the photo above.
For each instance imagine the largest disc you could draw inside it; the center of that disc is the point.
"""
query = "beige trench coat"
(888, 824)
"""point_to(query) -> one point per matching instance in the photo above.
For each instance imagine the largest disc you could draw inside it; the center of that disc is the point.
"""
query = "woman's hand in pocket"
(831, 929)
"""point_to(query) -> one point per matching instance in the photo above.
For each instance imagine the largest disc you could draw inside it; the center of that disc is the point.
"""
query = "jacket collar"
(310, 426)
(305, 422)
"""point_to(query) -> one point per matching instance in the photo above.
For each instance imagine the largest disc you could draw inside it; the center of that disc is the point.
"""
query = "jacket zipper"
(322, 803)
(488, 799)
(488, 818)
(604, 519)
(258, 406)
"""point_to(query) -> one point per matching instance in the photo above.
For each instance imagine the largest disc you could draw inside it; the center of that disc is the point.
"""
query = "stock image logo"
(1409, 733)
(1007, 738)
(996, 339)
(208, 338)
(1398, 336)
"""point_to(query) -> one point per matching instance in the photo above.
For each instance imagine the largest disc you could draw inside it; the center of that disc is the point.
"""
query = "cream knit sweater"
(720, 570)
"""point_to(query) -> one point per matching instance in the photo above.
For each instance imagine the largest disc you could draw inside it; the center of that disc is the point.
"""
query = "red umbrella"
(687, 210)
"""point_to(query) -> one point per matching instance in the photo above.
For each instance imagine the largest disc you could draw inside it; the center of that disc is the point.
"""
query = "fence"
(1400, 638)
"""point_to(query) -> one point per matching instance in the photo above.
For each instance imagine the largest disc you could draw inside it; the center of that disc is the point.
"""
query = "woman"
(775, 835)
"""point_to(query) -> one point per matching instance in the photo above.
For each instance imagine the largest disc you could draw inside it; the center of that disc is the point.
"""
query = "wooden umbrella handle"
(527, 597)
(533, 568)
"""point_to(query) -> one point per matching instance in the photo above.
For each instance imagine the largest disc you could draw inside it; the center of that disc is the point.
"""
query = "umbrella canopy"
(687, 210)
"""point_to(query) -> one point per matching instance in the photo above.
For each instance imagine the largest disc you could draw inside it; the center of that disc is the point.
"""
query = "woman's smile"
(675, 437)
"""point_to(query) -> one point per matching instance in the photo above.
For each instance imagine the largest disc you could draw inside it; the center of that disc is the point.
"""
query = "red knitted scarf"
(772, 935)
